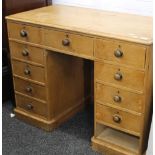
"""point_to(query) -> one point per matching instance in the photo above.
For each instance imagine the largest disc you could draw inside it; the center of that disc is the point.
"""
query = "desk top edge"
(115, 25)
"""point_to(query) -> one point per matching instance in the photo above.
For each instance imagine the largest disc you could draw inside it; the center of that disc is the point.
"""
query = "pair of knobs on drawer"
(118, 76)
(65, 42)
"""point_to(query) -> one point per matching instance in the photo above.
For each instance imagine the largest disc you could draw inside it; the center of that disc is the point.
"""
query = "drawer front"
(64, 41)
(120, 52)
(118, 97)
(24, 32)
(121, 76)
(30, 89)
(118, 119)
(28, 71)
(27, 53)
(31, 106)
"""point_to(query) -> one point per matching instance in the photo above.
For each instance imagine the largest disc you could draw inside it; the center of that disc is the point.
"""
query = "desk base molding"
(109, 149)
(47, 125)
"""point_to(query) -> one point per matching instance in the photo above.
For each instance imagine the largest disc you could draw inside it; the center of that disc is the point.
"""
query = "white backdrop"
(141, 7)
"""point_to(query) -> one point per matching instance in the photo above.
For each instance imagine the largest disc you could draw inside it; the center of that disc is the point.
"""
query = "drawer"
(118, 97)
(120, 52)
(64, 41)
(26, 52)
(122, 76)
(118, 119)
(31, 106)
(30, 89)
(28, 71)
(23, 32)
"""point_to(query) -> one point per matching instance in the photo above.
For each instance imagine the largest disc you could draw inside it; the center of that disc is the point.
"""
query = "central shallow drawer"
(64, 41)
(28, 71)
(23, 32)
(118, 75)
(119, 119)
(27, 52)
(120, 52)
(30, 89)
(31, 106)
(118, 97)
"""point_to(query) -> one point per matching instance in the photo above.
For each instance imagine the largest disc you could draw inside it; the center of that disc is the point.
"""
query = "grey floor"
(71, 138)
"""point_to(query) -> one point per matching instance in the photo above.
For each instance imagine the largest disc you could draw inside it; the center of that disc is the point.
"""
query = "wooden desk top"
(128, 27)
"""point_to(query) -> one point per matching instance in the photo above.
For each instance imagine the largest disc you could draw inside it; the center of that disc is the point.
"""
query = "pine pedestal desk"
(48, 49)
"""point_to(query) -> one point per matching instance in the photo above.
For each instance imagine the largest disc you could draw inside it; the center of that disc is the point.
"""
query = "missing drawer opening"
(117, 138)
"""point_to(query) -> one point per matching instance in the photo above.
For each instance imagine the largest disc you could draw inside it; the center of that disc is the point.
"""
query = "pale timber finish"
(105, 95)
(24, 103)
(27, 53)
(131, 78)
(58, 38)
(128, 122)
(104, 50)
(30, 89)
(35, 73)
(90, 21)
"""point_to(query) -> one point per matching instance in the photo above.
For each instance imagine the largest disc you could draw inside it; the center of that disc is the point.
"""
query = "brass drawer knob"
(118, 53)
(29, 107)
(23, 33)
(29, 89)
(118, 76)
(27, 72)
(65, 42)
(25, 52)
(116, 118)
(117, 98)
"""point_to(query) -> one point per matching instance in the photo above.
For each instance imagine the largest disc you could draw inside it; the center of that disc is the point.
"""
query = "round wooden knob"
(29, 89)
(27, 72)
(118, 76)
(118, 53)
(29, 107)
(25, 52)
(23, 33)
(116, 118)
(66, 42)
(117, 98)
